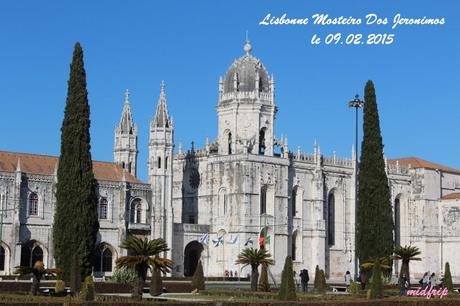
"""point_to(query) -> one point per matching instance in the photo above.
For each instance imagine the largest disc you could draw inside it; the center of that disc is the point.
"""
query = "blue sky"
(189, 44)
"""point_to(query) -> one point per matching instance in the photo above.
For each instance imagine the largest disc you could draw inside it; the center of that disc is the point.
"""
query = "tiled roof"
(46, 165)
(451, 196)
(415, 162)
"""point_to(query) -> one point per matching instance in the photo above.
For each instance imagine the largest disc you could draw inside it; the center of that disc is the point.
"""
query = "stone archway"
(192, 254)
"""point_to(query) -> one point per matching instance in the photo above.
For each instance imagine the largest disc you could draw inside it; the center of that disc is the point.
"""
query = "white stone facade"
(244, 184)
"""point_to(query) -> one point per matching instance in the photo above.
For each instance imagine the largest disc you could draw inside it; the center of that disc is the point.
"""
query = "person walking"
(304, 278)
(347, 277)
(432, 281)
(403, 285)
(425, 280)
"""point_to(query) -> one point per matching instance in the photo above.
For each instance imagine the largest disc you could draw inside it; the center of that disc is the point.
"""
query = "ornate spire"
(162, 118)
(126, 125)
(247, 45)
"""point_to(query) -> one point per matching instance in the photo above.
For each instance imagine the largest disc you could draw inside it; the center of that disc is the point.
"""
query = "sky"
(189, 44)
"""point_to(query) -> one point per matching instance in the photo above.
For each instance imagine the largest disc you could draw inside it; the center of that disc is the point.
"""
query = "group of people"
(428, 280)
(230, 273)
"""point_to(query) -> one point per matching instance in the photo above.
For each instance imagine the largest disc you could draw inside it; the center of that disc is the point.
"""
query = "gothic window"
(223, 201)
(397, 222)
(331, 219)
(103, 259)
(129, 167)
(2, 258)
(294, 246)
(166, 162)
(229, 143)
(103, 208)
(33, 204)
(123, 165)
(159, 162)
(262, 141)
(263, 200)
(135, 212)
(31, 252)
(293, 201)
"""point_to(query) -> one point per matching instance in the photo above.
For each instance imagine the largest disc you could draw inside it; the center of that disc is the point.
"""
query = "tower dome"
(246, 74)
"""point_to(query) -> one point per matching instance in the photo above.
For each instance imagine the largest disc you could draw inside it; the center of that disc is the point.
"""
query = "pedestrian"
(403, 285)
(362, 279)
(231, 274)
(235, 274)
(432, 281)
(347, 277)
(425, 280)
(304, 278)
(296, 282)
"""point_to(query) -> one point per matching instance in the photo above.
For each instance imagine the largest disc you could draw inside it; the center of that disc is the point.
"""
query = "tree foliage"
(287, 287)
(375, 221)
(75, 222)
(198, 278)
(317, 277)
(448, 278)
(144, 256)
(38, 271)
(264, 284)
(406, 254)
(254, 258)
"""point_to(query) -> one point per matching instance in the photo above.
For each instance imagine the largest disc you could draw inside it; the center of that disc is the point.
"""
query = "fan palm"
(144, 256)
(406, 254)
(254, 258)
(37, 271)
(384, 263)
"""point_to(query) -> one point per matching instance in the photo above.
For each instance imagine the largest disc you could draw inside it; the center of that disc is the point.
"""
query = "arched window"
(33, 204)
(159, 162)
(331, 219)
(263, 200)
(2, 258)
(166, 162)
(135, 212)
(103, 259)
(31, 252)
(229, 143)
(262, 141)
(223, 201)
(129, 167)
(293, 199)
(103, 208)
(294, 246)
(397, 222)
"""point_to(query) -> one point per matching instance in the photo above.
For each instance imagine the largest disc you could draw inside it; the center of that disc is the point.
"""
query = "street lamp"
(356, 103)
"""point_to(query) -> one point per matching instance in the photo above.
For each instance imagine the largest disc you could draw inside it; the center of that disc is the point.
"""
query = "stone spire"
(125, 146)
(126, 125)
(162, 118)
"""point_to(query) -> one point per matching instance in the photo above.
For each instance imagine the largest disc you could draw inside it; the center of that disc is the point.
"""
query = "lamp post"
(356, 103)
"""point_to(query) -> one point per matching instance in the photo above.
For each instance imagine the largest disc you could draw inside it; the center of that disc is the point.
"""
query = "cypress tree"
(264, 285)
(317, 278)
(198, 278)
(287, 287)
(375, 221)
(75, 221)
(448, 278)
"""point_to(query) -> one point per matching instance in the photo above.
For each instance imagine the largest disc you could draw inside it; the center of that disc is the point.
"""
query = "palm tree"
(377, 265)
(406, 254)
(254, 258)
(37, 271)
(144, 256)
(384, 263)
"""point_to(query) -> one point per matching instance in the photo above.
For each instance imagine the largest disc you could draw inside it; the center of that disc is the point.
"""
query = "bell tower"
(160, 164)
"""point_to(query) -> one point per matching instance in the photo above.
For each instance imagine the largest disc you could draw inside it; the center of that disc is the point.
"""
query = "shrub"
(316, 281)
(376, 284)
(322, 286)
(287, 287)
(264, 285)
(88, 292)
(198, 278)
(124, 275)
(156, 284)
(59, 288)
(448, 278)
(354, 288)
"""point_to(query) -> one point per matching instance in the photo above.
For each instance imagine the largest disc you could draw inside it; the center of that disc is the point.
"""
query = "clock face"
(194, 178)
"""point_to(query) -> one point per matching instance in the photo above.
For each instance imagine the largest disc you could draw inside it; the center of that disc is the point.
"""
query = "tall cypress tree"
(375, 222)
(75, 221)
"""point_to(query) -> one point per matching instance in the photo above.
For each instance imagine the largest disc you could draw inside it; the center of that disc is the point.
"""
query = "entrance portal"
(192, 254)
